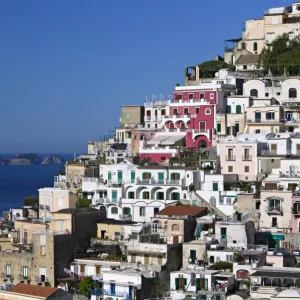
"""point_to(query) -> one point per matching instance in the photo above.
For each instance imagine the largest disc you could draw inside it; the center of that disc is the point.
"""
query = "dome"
(289, 294)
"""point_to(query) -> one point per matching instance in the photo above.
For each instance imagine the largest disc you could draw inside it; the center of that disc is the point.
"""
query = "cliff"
(25, 159)
(53, 160)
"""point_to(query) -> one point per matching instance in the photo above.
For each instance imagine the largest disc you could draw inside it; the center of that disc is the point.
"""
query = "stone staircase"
(212, 209)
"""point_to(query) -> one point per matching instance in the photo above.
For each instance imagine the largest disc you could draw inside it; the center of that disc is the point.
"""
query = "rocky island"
(31, 159)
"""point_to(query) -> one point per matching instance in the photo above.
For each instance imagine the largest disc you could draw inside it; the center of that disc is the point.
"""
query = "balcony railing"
(230, 158)
(268, 152)
(265, 121)
(274, 210)
(247, 158)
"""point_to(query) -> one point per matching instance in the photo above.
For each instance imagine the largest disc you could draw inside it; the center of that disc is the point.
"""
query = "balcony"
(268, 152)
(156, 103)
(265, 121)
(230, 158)
(203, 131)
(274, 210)
(247, 158)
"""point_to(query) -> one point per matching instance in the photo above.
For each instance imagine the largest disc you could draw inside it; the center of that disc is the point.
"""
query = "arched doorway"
(202, 144)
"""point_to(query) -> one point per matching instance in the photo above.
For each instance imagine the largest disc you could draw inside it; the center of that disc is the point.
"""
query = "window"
(229, 257)
(266, 94)
(114, 210)
(254, 93)
(270, 116)
(221, 201)
(219, 127)
(212, 201)
(142, 211)
(25, 273)
(166, 225)
(191, 96)
(146, 195)
(278, 93)
(114, 196)
(230, 169)
(292, 93)
(291, 36)
(257, 131)
(202, 96)
(255, 46)
(185, 111)
(130, 195)
(175, 111)
(242, 274)
(243, 46)
(246, 169)
(228, 201)
(211, 96)
(126, 211)
(238, 109)
(175, 227)
(228, 109)
(244, 67)
(215, 186)
(274, 222)
(8, 271)
(178, 97)
(237, 127)
(207, 111)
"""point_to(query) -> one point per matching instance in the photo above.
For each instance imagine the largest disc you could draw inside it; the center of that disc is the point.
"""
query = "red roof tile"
(33, 290)
(181, 211)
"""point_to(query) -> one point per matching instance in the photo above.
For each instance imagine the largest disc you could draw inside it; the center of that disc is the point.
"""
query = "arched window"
(242, 274)
(175, 227)
(207, 111)
(166, 225)
(202, 144)
(238, 109)
(254, 93)
(255, 46)
(163, 112)
(292, 93)
(228, 109)
(212, 201)
(114, 210)
(126, 211)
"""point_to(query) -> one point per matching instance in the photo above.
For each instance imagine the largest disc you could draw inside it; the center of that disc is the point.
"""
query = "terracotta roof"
(181, 211)
(33, 290)
(248, 59)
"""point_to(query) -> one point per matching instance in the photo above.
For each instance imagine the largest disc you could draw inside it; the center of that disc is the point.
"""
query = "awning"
(171, 140)
(198, 230)
(157, 139)
(279, 237)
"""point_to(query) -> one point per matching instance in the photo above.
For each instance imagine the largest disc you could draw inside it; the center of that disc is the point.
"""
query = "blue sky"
(67, 66)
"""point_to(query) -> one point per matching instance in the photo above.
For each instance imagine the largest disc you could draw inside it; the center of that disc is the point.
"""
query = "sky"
(66, 66)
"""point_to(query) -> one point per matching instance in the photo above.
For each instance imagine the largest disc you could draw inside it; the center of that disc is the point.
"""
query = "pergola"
(278, 278)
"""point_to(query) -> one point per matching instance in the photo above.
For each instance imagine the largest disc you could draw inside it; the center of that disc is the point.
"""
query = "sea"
(18, 182)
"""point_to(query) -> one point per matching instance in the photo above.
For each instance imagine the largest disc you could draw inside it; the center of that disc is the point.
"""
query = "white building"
(125, 284)
(210, 283)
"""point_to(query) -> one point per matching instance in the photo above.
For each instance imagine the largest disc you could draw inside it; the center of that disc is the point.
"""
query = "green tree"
(282, 56)
(221, 266)
(86, 285)
(297, 265)
(159, 287)
(209, 68)
(31, 201)
(83, 202)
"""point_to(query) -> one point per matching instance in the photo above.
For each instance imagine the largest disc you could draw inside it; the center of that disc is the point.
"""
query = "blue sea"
(17, 182)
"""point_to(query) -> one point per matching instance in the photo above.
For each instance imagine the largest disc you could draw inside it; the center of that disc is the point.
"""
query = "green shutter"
(161, 177)
(194, 202)
(120, 176)
(238, 109)
(109, 175)
(206, 284)
(185, 282)
(215, 186)
(219, 127)
(132, 177)
(198, 284)
(114, 195)
(237, 127)
(228, 109)
(176, 283)
(193, 254)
